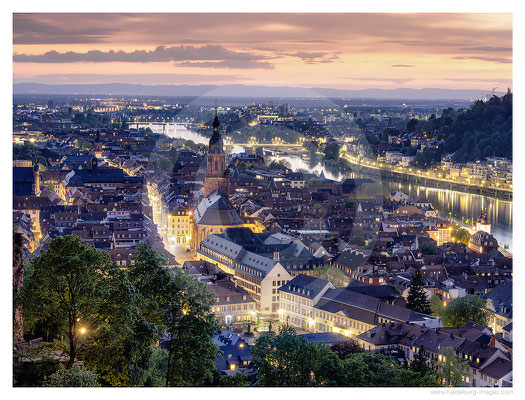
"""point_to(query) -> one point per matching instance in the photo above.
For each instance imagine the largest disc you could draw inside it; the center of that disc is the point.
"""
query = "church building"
(215, 213)
(217, 175)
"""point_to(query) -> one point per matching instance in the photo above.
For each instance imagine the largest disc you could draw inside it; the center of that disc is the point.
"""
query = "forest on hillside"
(483, 130)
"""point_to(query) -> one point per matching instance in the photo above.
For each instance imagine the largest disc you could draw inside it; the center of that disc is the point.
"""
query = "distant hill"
(125, 89)
(483, 130)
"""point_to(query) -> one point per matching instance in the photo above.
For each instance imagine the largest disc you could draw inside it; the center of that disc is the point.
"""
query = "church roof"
(216, 209)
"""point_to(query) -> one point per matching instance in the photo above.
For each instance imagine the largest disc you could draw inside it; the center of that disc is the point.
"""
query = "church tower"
(482, 223)
(97, 148)
(217, 176)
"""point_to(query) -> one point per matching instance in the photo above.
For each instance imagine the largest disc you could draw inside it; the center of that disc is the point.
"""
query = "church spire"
(216, 123)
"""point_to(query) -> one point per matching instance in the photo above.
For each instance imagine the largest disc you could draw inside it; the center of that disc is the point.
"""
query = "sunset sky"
(346, 51)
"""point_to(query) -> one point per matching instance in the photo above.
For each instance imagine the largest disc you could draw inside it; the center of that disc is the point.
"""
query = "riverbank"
(426, 179)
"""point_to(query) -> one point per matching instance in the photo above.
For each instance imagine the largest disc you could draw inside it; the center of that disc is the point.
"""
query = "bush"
(76, 376)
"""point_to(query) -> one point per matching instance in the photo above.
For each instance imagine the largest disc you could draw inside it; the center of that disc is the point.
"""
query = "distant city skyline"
(340, 51)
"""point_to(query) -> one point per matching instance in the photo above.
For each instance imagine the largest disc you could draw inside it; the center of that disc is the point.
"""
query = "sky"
(343, 51)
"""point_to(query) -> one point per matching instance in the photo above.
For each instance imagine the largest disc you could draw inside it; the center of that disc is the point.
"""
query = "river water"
(464, 206)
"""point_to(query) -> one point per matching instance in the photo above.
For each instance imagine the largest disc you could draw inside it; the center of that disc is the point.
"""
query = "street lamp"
(82, 330)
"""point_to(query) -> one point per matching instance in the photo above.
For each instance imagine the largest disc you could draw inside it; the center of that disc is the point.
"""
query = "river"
(179, 131)
(465, 206)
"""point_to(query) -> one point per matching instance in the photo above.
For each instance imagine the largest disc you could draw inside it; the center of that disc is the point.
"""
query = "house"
(483, 242)
(399, 197)
(235, 354)
(499, 304)
(233, 304)
(297, 298)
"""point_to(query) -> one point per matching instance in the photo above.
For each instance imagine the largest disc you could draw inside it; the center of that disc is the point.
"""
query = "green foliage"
(82, 144)
(483, 130)
(156, 374)
(460, 234)
(357, 241)
(181, 306)
(32, 364)
(452, 369)
(461, 310)
(428, 249)
(349, 204)
(331, 151)
(76, 376)
(161, 162)
(412, 124)
(344, 348)
(279, 165)
(428, 157)
(240, 379)
(436, 305)
(417, 299)
(332, 274)
(368, 369)
(288, 360)
(32, 153)
(73, 285)
(410, 378)
(65, 288)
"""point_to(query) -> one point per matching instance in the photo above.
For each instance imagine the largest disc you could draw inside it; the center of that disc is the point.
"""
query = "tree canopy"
(417, 299)
(461, 310)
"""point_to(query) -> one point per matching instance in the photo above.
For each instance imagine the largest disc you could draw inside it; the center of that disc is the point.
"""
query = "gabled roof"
(305, 286)
(498, 368)
(393, 333)
(342, 298)
(350, 258)
(216, 209)
(436, 341)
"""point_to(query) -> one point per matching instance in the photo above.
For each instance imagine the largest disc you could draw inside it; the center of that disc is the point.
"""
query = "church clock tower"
(217, 176)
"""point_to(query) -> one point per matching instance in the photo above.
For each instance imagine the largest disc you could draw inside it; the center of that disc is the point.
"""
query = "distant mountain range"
(125, 89)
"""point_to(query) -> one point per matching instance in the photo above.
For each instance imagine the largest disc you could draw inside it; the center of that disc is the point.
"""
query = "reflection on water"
(176, 131)
(297, 163)
(466, 205)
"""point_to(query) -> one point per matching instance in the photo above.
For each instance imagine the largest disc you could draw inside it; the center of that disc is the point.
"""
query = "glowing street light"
(82, 330)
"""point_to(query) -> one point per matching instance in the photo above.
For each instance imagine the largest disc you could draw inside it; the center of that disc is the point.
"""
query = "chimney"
(276, 256)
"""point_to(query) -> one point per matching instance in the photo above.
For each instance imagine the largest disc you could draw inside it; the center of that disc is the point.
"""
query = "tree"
(76, 376)
(461, 310)
(349, 203)
(369, 369)
(156, 374)
(331, 151)
(190, 326)
(345, 347)
(18, 281)
(357, 241)
(436, 305)
(332, 274)
(289, 360)
(417, 299)
(410, 378)
(120, 345)
(177, 304)
(64, 289)
(240, 379)
(460, 234)
(428, 249)
(412, 124)
(452, 371)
